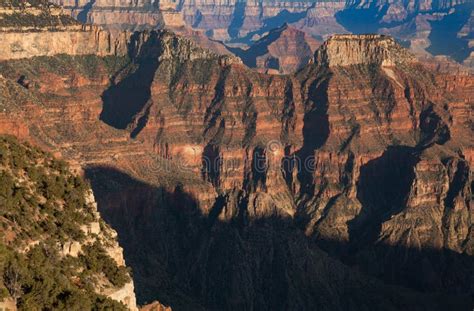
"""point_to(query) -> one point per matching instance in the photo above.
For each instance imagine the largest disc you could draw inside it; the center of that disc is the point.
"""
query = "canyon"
(346, 185)
(423, 26)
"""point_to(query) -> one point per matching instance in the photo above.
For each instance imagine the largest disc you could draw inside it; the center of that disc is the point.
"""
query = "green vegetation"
(29, 3)
(33, 13)
(88, 65)
(43, 206)
(51, 197)
(45, 19)
(96, 260)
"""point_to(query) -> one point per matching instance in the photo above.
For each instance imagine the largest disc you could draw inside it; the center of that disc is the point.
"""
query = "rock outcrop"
(348, 50)
(200, 38)
(155, 306)
(55, 248)
(125, 293)
(284, 50)
(29, 31)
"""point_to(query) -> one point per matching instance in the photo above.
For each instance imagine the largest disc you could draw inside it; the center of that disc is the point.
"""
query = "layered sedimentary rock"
(49, 31)
(365, 118)
(200, 38)
(78, 40)
(284, 50)
(350, 50)
(233, 181)
(424, 26)
(233, 19)
(118, 14)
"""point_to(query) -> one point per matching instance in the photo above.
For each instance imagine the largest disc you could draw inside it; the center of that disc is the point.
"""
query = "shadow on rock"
(192, 261)
(125, 102)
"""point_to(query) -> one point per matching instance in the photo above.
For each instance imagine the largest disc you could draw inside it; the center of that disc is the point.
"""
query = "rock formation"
(424, 26)
(284, 50)
(155, 306)
(117, 15)
(350, 50)
(49, 31)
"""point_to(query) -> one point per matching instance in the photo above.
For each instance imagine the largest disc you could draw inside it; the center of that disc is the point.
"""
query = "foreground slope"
(55, 250)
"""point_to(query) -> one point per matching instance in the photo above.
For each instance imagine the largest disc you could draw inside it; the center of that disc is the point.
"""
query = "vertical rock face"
(78, 40)
(233, 181)
(125, 293)
(401, 121)
(46, 30)
(348, 50)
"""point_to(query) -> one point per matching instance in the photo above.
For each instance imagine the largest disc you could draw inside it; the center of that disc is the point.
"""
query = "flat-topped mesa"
(39, 28)
(77, 40)
(347, 50)
(34, 15)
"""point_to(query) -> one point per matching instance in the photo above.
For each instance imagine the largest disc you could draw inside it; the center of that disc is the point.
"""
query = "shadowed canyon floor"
(194, 261)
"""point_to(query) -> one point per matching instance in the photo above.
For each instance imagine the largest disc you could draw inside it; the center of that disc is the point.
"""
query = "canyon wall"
(362, 149)
(119, 14)
(424, 26)
(79, 40)
(52, 32)
(314, 148)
